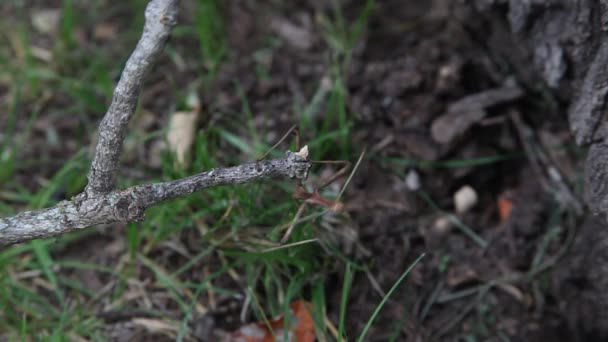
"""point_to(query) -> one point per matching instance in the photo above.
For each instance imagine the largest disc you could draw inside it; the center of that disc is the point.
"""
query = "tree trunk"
(557, 49)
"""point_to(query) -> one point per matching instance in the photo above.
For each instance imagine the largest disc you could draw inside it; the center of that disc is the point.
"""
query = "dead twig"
(100, 202)
(130, 204)
(161, 16)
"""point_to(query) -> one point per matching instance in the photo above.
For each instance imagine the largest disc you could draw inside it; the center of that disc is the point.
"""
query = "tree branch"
(161, 16)
(100, 202)
(130, 204)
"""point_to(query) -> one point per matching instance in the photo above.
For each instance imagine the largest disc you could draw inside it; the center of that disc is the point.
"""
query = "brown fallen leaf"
(301, 327)
(505, 207)
(461, 274)
(105, 31)
(464, 113)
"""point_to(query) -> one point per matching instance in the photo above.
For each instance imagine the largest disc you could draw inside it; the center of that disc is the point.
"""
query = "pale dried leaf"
(181, 134)
(303, 153)
(513, 291)
(105, 31)
(155, 325)
(296, 36)
(46, 20)
(42, 54)
(461, 274)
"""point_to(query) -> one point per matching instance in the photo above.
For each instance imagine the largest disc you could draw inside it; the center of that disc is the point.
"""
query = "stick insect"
(300, 191)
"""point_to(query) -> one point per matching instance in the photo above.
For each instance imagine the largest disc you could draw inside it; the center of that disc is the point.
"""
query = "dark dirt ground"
(406, 81)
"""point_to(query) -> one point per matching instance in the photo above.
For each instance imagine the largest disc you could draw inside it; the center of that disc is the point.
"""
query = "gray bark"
(101, 202)
(561, 47)
(130, 204)
(161, 16)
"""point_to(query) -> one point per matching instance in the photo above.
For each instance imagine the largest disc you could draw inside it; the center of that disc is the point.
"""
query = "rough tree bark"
(560, 48)
(101, 202)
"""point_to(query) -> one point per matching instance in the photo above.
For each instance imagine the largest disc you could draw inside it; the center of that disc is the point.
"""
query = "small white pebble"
(326, 83)
(442, 225)
(554, 174)
(464, 199)
(412, 180)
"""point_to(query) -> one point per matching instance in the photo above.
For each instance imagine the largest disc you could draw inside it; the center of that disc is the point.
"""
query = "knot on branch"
(128, 209)
(164, 12)
(299, 164)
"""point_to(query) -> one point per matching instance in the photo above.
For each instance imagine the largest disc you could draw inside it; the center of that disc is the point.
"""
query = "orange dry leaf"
(505, 206)
(301, 327)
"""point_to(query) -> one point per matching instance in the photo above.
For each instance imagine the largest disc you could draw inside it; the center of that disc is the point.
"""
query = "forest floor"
(459, 167)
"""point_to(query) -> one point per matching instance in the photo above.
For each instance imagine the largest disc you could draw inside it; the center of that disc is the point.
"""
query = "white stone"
(442, 225)
(465, 199)
(412, 180)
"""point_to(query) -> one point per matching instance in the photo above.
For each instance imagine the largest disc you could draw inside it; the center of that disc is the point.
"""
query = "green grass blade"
(318, 308)
(361, 23)
(455, 221)
(385, 299)
(211, 34)
(23, 332)
(165, 280)
(448, 163)
(68, 23)
(188, 315)
(46, 263)
(348, 280)
(237, 142)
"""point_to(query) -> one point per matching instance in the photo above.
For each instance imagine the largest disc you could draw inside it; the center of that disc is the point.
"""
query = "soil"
(436, 110)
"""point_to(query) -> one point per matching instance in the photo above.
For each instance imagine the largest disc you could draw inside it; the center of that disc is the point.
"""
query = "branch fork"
(101, 202)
